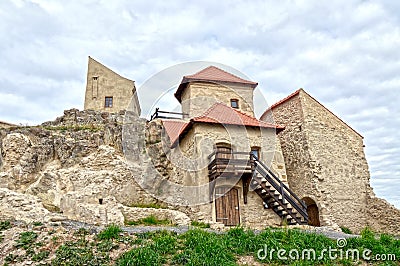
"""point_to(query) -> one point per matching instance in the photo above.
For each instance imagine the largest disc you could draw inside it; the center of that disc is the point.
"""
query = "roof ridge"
(282, 101)
(206, 113)
(226, 72)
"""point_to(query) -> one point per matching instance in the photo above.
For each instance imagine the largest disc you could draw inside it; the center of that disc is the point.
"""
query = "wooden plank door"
(227, 206)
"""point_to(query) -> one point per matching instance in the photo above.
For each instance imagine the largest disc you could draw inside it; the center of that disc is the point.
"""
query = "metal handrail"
(158, 112)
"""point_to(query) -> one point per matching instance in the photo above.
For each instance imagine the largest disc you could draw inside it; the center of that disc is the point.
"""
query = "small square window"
(235, 103)
(108, 102)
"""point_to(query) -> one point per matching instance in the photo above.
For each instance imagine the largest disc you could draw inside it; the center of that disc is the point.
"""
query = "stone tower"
(107, 91)
(200, 91)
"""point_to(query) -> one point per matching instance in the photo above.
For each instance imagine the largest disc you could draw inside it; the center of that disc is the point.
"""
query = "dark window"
(256, 151)
(95, 78)
(108, 102)
(234, 103)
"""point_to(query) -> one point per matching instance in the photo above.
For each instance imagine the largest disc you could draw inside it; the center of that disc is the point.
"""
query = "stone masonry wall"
(382, 216)
(241, 139)
(325, 161)
(198, 97)
(338, 163)
(103, 82)
(296, 151)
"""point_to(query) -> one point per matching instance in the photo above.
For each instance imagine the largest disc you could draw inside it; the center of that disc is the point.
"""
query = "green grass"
(346, 230)
(150, 220)
(92, 128)
(199, 247)
(147, 205)
(4, 225)
(200, 224)
(195, 247)
(26, 240)
(111, 232)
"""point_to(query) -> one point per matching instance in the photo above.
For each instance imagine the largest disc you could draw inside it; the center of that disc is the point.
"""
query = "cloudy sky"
(346, 54)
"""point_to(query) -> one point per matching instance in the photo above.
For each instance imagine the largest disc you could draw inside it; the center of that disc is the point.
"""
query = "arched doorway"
(312, 211)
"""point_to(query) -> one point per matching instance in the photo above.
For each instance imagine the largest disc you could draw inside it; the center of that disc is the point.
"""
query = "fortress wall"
(338, 163)
(103, 82)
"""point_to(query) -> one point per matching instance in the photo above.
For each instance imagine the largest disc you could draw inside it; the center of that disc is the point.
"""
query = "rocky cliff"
(74, 168)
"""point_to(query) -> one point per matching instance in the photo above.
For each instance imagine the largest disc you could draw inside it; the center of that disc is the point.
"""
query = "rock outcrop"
(73, 167)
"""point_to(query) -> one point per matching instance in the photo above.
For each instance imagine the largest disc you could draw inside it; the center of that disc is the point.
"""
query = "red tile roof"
(212, 74)
(174, 128)
(220, 113)
(217, 114)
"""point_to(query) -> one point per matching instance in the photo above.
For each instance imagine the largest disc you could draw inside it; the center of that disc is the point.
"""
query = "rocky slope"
(74, 168)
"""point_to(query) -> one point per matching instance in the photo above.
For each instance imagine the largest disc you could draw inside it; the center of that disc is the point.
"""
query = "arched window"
(223, 150)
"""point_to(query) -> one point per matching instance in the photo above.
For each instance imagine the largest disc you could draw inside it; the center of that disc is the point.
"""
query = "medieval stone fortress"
(298, 164)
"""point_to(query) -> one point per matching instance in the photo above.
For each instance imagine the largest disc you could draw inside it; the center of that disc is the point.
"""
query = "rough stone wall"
(325, 161)
(296, 152)
(6, 125)
(73, 165)
(382, 216)
(103, 82)
(338, 163)
(199, 96)
(205, 137)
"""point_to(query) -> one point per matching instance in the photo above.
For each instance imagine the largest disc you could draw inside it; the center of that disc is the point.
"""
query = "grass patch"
(200, 224)
(4, 225)
(346, 230)
(150, 220)
(92, 128)
(111, 232)
(147, 205)
(26, 240)
(37, 223)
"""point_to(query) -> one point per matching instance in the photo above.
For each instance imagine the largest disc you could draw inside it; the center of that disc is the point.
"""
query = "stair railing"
(287, 194)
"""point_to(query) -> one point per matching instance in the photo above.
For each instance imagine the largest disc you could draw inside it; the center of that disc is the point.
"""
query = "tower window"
(95, 77)
(235, 103)
(108, 102)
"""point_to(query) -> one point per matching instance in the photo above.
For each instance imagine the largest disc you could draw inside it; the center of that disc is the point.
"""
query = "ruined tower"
(107, 91)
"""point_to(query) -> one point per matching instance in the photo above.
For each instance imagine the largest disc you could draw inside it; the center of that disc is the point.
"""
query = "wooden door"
(313, 215)
(227, 206)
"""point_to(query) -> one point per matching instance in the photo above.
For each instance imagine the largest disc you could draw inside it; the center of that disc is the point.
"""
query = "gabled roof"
(174, 128)
(281, 102)
(220, 114)
(212, 74)
(303, 91)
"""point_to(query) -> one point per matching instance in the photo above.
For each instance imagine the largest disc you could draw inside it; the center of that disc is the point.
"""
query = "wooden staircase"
(276, 195)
